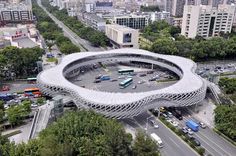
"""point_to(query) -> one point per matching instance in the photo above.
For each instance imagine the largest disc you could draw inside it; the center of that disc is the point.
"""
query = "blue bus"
(126, 83)
(6, 97)
(125, 71)
(105, 77)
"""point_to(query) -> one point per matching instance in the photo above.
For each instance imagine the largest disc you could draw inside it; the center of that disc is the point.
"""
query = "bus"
(157, 140)
(125, 71)
(32, 92)
(6, 97)
(126, 83)
(32, 80)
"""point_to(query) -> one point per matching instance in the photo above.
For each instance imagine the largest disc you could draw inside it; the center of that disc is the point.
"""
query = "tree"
(144, 146)
(16, 114)
(68, 48)
(164, 46)
(225, 120)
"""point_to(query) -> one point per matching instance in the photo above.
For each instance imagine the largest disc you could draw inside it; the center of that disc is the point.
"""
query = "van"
(157, 140)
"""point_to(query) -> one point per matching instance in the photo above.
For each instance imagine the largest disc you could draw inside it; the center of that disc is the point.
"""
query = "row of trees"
(225, 120)
(83, 133)
(166, 40)
(97, 38)
(229, 87)
(15, 62)
(228, 84)
(51, 32)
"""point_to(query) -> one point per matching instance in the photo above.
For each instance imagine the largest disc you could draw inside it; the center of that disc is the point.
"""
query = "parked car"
(142, 75)
(174, 123)
(162, 109)
(150, 72)
(202, 125)
(113, 80)
(134, 87)
(5, 88)
(165, 115)
(96, 81)
(140, 82)
(154, 124)
(170, 115)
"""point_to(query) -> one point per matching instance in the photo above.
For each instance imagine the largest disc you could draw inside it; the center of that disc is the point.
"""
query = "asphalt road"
(212, 142)
(173, 145)
(83, 44)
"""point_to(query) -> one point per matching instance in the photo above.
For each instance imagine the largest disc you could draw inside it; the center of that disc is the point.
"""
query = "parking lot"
(141, 80)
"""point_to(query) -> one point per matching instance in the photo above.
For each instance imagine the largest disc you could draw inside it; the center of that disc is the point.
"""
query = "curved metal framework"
(189, 90)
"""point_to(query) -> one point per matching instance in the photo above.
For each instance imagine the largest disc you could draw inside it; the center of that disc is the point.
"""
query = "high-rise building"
(177, 8)
(206, 20)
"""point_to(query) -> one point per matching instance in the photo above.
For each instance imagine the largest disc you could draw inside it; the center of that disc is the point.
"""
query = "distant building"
(177, 21)
(157, 16)
(207, 21)
(15, 13)
(103, 6)
(4, 43)
(131, 21)
(177, 8)
(92, 20)
(121, 36)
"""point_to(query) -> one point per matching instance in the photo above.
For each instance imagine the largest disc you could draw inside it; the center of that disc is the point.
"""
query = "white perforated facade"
(189, 90)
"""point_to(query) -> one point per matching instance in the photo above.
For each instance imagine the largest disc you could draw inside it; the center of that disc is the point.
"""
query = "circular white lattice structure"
(189, 90)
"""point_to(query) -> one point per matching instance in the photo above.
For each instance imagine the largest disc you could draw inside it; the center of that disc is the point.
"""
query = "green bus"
(126, 83)
(125, 71)
(32, 80)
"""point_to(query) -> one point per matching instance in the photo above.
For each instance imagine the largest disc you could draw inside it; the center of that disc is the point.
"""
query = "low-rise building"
(131, 21)
(21, 36)
(177, 21)
(122, 36)
(157, 16)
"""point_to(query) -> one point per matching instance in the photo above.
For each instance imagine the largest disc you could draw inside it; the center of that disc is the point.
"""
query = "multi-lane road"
(83, 44)
(173, 145)
(212, 142)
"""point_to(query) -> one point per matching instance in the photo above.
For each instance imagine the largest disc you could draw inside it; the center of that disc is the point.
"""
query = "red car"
(5, 88)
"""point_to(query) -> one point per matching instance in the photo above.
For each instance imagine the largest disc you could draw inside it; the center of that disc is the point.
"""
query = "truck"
(157, 140)
(105, 77)
(192, 125)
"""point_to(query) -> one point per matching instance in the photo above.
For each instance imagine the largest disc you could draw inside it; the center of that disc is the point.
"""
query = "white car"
(174, 123)
(190, 132)
(154, 124)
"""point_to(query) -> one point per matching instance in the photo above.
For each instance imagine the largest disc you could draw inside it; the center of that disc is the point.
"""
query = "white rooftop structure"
(189, 90)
